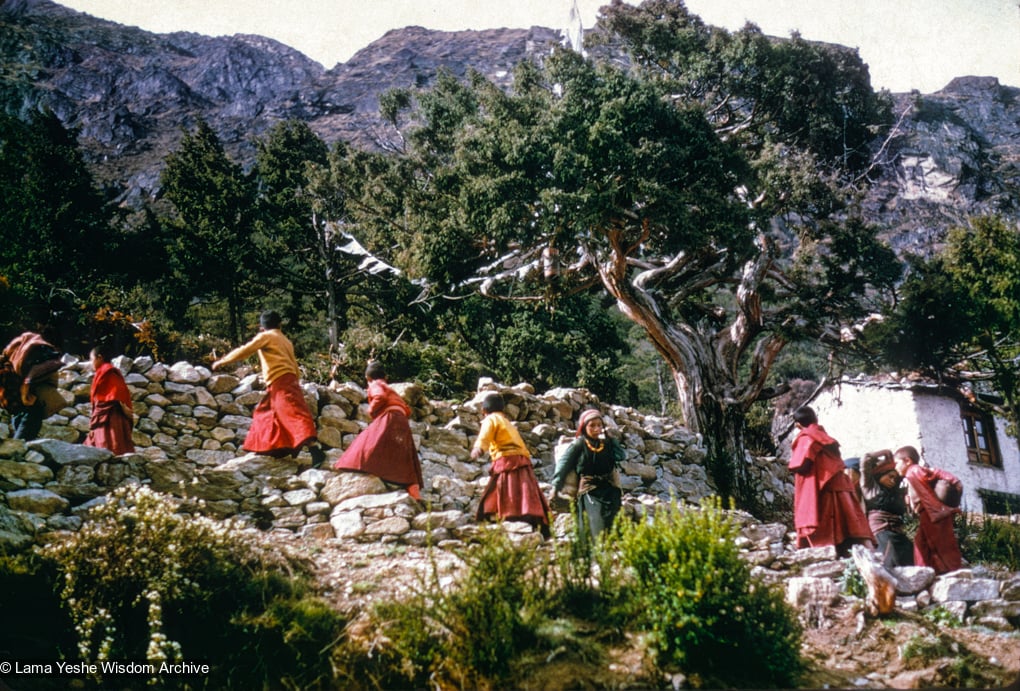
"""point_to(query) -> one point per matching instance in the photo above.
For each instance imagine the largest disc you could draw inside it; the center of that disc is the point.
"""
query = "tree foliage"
(55, 223)
(576, 344)
(71, 264)
(211, 247)
(293, 242)
(958, 316)
(698, 188)
(388, 314)
(760, 90)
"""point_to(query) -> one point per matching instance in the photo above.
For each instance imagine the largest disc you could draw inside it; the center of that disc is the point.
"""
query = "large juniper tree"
(700, 184)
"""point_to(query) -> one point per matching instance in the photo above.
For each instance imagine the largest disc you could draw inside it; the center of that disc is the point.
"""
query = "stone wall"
(191, 423)
(976, 596)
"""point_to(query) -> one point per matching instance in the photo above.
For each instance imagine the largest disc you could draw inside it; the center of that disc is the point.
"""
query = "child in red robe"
(112, 410)
(385, 448)
(512, 493)
(825, 506)
(281, 423)
(935, 543)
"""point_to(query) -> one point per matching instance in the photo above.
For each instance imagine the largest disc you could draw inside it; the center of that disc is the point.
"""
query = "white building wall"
(867, 417)
(944, 446)
(1007, 480)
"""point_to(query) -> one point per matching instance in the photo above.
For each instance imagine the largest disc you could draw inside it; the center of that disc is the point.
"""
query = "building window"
(999, 503)
(979, 431)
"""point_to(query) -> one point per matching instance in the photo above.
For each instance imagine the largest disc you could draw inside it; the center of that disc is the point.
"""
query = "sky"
(908, 44)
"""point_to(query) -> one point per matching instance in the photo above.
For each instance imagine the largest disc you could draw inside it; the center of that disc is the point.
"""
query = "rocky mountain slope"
(131, 93)
(956, 154)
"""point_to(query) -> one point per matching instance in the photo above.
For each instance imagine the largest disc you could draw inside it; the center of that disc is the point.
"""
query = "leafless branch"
(879, 157)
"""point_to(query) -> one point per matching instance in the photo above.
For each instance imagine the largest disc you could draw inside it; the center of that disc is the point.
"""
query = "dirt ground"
(843, 648)
(849, 650)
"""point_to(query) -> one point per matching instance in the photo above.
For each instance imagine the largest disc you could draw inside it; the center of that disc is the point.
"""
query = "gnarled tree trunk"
(706, 367)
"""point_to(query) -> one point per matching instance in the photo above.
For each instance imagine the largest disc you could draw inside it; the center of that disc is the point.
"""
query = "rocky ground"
(852, 651)
(844, 648)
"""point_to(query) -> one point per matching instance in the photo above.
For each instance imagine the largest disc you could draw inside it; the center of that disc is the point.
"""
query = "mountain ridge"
(130, 95)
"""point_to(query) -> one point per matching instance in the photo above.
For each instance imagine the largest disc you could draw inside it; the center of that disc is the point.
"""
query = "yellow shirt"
(500, 438)
(276, 353)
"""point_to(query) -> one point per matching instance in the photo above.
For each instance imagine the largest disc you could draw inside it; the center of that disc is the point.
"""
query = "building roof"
(963, 391)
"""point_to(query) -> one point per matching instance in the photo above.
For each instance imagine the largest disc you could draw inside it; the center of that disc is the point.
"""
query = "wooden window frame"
(978, 424)
(999, 503)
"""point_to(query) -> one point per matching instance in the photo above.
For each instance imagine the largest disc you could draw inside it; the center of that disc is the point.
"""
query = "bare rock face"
(954, 154)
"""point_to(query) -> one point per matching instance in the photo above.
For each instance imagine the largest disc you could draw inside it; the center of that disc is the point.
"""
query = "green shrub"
(405, 652)
(469, 633)
(942, 617)
(990, 540)
(142, 582)
(925, 648)
(586, 581)
(957, 667)
(290, 640)
(572, 581)
(852, 582)
(486, 614)
(699, 605)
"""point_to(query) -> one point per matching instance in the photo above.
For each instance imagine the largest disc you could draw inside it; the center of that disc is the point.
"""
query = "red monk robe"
(385, 448)
(112, 412)
(512, 492)
(825, 506)
(281, 423)
(935, 543)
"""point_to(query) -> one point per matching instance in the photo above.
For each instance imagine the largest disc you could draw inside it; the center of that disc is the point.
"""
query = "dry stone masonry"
(190, 426)
(191, 423)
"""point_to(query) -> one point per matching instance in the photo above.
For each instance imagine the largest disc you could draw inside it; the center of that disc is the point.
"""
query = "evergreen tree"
(210, 247)
(300, 238)
(958, 316)
(55, 224)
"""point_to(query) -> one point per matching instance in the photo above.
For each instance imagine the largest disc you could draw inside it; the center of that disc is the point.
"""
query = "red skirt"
(841, 521)
(386, 449)
(110, 428)
(281, 423)
(935, 544)
(513, 493)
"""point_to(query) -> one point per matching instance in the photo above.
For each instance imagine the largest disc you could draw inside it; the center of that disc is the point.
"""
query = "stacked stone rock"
(976, 596)
(191, 423)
